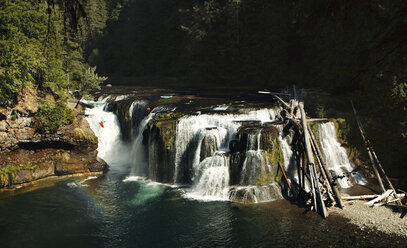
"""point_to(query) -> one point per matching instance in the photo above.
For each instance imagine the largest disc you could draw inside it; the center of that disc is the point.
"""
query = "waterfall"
(110, 146)
(290, 164)
(201, 153)
(191, 130)
(140, 163)
(210, 176)
(335, 155)
(255, 165)
(137, 112)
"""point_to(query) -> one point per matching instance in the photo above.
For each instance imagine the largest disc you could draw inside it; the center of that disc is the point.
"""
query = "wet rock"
(208, 146)
(234, 146)
(43, 170)
(23, 176)
(161, 150)
(236, 164)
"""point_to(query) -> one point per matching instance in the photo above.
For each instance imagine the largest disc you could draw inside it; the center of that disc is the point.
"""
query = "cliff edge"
(28, 154)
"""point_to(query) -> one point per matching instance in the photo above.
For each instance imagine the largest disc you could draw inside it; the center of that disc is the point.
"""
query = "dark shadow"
(45, 144)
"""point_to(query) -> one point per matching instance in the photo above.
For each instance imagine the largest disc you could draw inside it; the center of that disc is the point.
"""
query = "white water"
(135, 106)
(211, 177)
(256, 193)
(336, 157)
(192, 129)
(110, 146)
(255, 164)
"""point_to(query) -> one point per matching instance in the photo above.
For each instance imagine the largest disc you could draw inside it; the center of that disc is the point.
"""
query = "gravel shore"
(379, 218)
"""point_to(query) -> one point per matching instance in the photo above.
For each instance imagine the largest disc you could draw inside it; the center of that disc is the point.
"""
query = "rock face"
(161, 148)
(26, 155)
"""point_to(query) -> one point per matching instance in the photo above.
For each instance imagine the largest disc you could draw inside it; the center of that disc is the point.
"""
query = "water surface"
(109, 212)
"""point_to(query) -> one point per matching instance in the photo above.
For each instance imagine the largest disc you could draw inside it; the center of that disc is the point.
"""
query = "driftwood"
(317, 119)
(318, 201)
(362, 132)
(385, 203)
(325, 170)
(349, 202)
(373, 157)
(286, 179)
(277, 97)
(366, 197)
(379, 198)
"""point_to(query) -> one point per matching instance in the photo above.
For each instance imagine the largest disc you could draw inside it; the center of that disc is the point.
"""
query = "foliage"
(22, 60)
(86, 80)
(50, 118)
(5, 171)
(82, 136)
(40, 45)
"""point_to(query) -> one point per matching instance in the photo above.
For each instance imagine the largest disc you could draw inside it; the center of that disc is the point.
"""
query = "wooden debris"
(317, 119)
(385, 203)
(318, 201)
(379, 198)
(312, 166)
(373, 157)
(367, 197)
(349, 202)
(325, 170)
(282, 169)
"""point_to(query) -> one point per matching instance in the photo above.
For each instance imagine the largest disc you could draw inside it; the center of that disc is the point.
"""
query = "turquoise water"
(109, 212)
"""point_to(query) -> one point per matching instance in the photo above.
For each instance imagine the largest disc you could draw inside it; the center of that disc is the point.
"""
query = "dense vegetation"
(356, 49)
(39, 46)
(51, 117)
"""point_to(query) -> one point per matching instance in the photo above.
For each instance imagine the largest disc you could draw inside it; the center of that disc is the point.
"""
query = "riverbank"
(381, 218)
(43, 182)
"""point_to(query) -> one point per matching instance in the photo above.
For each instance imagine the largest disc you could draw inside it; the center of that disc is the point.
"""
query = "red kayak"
(101, 124)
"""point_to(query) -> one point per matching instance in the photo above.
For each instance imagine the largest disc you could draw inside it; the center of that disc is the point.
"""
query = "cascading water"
(212, 178)
(335, 156)
(137, 112)
(256, 164)
(210, 175)
(140, 163)
(201, 150)
(106, 127)
(191, 131)
(256, 167)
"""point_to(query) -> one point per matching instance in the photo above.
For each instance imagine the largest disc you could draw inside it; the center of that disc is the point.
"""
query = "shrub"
(51, 117)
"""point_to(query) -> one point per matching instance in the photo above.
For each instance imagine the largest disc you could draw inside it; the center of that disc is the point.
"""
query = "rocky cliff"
(27, 155)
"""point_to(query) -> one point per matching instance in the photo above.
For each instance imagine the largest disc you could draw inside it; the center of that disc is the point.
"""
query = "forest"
(349, 49)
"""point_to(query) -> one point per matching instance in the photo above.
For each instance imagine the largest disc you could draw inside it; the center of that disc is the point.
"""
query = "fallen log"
(286, 179)
(325, 169)
(317, 119)
(317, 197)
(366, 197)
(369, 152)
(379, 198)
(385, 203)
(277, 97)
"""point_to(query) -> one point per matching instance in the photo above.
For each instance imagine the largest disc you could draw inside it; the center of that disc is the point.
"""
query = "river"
(110, 211)
(122, 209)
